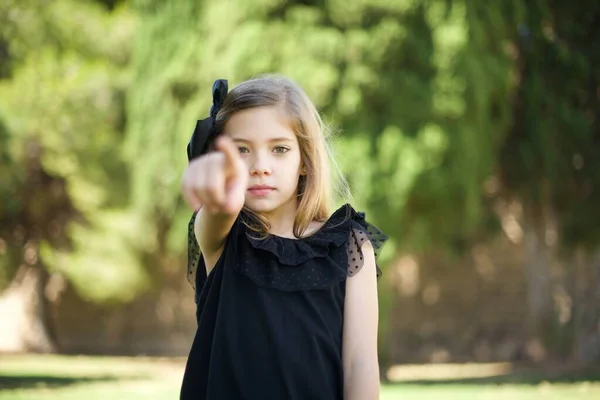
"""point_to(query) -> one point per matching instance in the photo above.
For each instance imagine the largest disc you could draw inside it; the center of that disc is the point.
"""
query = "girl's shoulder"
(360, 230)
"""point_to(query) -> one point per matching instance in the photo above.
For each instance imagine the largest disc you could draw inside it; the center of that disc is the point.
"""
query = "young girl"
(286, 290)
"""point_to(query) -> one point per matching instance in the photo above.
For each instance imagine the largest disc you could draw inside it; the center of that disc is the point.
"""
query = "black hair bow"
(205, 131)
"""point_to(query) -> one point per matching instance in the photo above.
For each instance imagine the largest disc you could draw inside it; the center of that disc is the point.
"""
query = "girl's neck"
(282, 219)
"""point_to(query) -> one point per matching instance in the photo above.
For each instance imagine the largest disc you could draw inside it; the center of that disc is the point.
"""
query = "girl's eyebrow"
(277, 139)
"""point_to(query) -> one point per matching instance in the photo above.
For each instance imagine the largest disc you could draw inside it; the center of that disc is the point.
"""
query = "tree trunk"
(539, 278)
(24, 309)
(538, 228)
(587, 307)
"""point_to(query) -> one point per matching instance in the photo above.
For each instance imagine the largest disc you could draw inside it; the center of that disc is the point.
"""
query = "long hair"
(322, 179)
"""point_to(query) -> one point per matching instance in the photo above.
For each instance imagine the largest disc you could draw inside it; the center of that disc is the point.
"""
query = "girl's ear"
(303, 171)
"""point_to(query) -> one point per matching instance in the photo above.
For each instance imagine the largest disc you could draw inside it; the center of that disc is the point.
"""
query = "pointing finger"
(232, 156)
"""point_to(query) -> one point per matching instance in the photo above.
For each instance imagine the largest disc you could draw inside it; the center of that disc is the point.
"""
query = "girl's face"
(270, 149)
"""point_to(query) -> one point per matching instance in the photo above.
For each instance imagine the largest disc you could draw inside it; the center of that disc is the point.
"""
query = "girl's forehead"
(260, 124)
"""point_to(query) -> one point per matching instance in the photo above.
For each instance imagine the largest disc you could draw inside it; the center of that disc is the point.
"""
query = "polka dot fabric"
(358, 236)
(265, 269)
(196, 276)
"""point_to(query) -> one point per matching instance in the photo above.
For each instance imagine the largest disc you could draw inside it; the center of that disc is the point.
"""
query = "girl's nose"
(260, 166)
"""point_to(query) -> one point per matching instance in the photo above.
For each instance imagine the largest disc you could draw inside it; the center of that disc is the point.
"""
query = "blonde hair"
(318, 187)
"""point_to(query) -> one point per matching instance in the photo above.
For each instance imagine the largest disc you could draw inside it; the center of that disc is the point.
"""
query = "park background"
(469, 132)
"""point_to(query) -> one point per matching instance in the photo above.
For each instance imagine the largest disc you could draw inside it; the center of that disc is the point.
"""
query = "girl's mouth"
(260, 190)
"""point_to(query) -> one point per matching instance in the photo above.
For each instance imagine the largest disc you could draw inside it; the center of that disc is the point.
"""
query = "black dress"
(270, 314)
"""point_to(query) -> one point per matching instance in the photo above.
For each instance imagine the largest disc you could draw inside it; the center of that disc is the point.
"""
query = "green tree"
(548, 160)
(64, 181)
(524, 136)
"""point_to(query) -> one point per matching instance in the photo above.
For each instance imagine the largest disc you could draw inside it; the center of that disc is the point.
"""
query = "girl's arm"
(216, 184)
(361, 365)
(211, 230)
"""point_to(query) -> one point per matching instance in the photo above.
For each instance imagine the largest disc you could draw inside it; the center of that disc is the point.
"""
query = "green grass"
(34, 377)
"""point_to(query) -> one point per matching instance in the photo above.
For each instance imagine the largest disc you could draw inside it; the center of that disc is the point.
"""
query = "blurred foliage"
(549, 156)
(444, 107)
(62, 103)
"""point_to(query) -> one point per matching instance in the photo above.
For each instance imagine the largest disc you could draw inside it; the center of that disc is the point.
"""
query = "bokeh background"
(469, 132)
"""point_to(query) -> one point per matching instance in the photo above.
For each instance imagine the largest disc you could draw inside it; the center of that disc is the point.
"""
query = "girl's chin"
(261, 205)
(266, 204)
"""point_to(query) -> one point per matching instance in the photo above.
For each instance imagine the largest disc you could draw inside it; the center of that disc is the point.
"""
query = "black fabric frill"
(306, 263)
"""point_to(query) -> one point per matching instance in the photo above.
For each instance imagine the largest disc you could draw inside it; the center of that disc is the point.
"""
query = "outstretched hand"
(217, 180)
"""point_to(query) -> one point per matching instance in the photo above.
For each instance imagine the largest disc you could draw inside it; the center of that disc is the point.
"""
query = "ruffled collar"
(334, 232)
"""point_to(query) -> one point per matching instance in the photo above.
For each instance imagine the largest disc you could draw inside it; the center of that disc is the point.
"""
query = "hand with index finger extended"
(233, 162)
(236, 174)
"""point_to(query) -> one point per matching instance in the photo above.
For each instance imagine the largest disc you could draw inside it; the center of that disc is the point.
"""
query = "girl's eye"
(243, 149)
(281, 149)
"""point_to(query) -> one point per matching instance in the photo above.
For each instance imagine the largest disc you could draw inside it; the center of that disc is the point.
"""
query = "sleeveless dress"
(270, 313)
